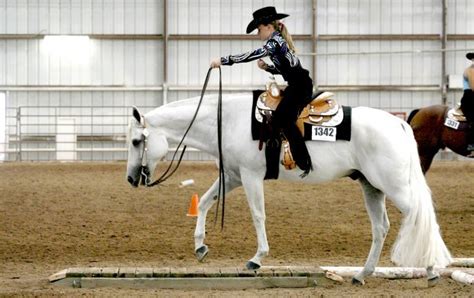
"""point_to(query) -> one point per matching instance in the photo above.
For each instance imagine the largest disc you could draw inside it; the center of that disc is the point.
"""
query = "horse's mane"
(412, 114)
(209, 103)
(211, 99)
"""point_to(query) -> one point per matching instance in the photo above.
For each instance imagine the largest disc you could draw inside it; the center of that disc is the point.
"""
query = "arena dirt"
(55, 216)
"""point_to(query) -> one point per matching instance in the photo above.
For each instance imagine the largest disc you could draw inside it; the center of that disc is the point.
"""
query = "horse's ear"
(136, 114)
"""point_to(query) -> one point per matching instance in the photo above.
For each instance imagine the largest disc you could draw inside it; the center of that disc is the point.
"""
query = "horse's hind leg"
(375, 204)
(432, 276)
(254, 191)
(206, 202)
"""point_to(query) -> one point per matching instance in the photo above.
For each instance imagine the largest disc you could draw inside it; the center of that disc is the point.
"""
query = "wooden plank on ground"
(144, 272)
(110, 272)
(198, 283)
(57, 276)
(127, 272)
(161, 272)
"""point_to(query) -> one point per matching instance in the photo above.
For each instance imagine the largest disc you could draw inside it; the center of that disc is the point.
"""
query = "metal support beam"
(322, 87)
(165, 52)
(92, 36)
(379, 88)
(314, 45)
(78, 88)
(378, 37)
(444, 41)
(207, 37)
(415, 51)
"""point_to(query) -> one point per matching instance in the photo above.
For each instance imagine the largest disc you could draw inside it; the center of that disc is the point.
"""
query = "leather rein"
(145, 171)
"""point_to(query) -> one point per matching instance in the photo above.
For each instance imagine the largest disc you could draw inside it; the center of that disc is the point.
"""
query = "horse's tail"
(412, 114)
(419, 241)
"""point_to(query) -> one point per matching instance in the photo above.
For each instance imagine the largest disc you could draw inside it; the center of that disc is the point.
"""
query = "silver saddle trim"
(326, 95)
(327, 113)
(334, 121)
(261, 108)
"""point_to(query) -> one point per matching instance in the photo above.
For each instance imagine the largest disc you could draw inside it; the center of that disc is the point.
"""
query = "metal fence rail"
(72, 133)
(81, 133)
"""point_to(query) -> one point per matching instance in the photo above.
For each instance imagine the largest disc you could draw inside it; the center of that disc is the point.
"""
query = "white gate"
(3, 128)
(66, 139)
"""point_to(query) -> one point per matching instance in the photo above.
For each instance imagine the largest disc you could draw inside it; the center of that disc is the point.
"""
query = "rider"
(279, 47)
(467, 101)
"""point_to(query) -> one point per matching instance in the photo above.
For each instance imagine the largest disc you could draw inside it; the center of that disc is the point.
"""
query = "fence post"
(18, 132)
(3, 127)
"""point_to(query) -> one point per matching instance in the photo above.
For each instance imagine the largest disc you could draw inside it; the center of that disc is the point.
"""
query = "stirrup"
(272, 142)
(288, 162)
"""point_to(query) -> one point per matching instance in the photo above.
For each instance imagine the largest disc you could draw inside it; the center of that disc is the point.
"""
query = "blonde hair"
(280, 27)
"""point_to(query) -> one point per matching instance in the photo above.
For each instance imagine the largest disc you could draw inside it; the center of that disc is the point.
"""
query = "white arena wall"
(395, 55)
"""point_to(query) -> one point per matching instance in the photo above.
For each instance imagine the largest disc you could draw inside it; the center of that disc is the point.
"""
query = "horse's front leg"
(254, 190)
(206, 202)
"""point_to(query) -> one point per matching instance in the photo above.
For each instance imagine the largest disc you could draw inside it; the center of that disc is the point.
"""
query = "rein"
(145, 171)
(221, 162)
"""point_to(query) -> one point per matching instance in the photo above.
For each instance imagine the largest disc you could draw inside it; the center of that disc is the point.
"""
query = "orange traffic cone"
(193, 206)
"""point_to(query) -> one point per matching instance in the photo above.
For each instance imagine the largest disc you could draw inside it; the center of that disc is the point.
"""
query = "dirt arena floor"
(55, 216)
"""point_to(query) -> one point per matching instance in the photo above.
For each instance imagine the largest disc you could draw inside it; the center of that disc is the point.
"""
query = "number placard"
(451, 123)
(322, 133)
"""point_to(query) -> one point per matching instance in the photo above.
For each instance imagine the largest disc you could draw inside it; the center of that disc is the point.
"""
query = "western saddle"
(456, 114)
(322, 110)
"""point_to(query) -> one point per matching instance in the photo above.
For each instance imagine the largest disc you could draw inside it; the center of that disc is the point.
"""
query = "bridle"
(145, 171)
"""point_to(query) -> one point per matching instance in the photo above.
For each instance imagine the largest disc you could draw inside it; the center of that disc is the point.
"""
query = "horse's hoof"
(252, 266)
(357, 282)
(433, 281)
(201, 253)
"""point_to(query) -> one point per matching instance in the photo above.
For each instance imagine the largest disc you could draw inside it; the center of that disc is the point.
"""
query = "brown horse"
(432, 134)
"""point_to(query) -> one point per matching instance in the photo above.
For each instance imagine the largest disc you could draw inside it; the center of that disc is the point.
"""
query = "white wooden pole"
(463, 277)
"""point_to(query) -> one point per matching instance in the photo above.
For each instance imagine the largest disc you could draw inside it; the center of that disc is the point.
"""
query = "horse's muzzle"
(142, 178)
(132, 181)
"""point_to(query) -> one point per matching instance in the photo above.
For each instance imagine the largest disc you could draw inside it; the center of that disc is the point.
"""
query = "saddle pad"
(343, 129)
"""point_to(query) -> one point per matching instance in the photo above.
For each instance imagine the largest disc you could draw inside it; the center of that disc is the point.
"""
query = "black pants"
(467, 107)
(296, 97)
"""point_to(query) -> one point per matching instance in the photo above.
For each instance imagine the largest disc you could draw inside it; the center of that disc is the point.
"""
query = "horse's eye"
(135, 143)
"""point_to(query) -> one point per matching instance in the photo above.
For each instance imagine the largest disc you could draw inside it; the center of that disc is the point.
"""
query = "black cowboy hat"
(264, 16)
(470, 56)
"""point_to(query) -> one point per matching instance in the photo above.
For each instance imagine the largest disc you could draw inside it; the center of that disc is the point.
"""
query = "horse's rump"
(437, 127)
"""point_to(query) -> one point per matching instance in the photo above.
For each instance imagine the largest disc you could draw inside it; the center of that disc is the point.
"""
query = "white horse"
(382, 152)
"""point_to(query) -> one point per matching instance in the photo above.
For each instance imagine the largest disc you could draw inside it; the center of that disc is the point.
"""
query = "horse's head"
(145, 149)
